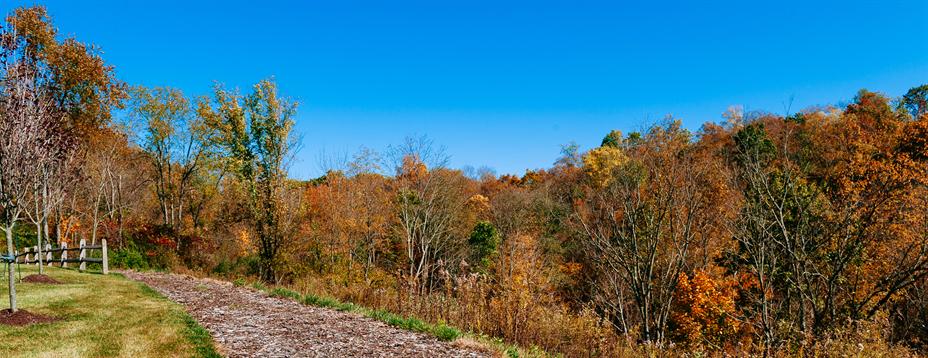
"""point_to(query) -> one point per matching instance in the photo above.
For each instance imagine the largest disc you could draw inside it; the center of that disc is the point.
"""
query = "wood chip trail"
(249, 323)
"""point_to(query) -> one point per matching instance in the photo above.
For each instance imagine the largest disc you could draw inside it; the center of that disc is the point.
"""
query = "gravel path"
(248, 323)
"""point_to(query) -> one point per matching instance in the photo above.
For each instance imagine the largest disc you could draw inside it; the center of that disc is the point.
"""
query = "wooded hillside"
(760, 233)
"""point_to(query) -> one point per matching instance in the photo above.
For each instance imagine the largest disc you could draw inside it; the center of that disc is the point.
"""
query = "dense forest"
(761, 233)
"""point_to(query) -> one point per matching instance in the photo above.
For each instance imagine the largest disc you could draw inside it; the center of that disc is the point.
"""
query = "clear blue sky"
(504, 84)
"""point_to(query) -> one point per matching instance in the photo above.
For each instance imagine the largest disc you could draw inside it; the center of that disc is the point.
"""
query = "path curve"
(249, 323)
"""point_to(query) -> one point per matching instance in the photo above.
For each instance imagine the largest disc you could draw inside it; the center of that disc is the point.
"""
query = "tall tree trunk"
(58, 229)
(96, 217)
(11, 272)
(39, 201)
(38, 239)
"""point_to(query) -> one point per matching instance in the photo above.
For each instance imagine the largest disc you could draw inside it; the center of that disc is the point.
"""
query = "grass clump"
(285, 293)
(446, 333)
(441, 331)
(326, 302)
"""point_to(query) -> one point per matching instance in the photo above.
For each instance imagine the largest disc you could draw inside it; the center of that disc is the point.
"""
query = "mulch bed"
(41, 279)
(23, 318)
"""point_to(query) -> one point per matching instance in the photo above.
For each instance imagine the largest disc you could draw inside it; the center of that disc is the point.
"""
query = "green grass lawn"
(101, 316)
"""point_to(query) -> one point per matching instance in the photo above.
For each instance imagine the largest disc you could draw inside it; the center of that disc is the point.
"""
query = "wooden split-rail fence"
(31, 255)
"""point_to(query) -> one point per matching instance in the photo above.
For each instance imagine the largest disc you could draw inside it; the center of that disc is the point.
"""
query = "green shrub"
(130, 257)
(446, 333)
(247, 266)
(23, 237)
(285, 293)
(223, 268)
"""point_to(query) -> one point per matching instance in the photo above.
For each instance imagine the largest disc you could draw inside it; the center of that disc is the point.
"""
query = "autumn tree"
(770, 201)
(915, 101)
(513, 215)
(430, 207)
(704, 314)
(372, 205)
(253, 134)
(51, 165)
(78, 80)
(28, 121)
(639, 225)
(830, 224)
(570, 156)
(111, 185)
(613, 139)
(173, 138)
(74, 88)
(878, 191)
(600, 164)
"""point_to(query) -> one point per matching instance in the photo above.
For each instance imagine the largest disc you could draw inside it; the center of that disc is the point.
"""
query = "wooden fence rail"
(31, 255)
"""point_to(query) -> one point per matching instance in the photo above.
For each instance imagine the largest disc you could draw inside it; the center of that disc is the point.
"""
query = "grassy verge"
(198, 336)
(101, 316)
(441, 331)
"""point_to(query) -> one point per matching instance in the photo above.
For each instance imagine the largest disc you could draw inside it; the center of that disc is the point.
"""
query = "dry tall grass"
(534, 319)
(523, 317)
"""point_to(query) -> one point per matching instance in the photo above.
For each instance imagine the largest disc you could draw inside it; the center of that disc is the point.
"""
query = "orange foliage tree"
(704, 314)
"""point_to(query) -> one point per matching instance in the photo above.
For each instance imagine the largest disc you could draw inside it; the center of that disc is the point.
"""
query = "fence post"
(16, 253)
(26, 258)
(64, 254)
(48, 253)
(83, 255)
(106, 263)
